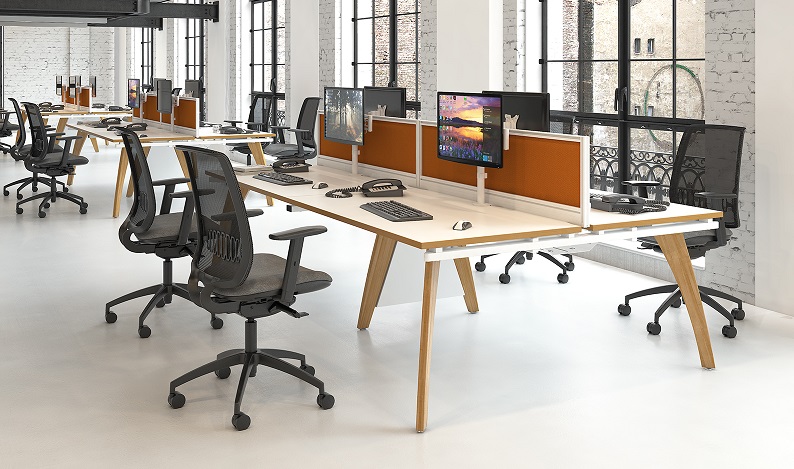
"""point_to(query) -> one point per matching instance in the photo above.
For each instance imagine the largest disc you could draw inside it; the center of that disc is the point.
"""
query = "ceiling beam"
(130, 22)
(208, 11)
(74, 8)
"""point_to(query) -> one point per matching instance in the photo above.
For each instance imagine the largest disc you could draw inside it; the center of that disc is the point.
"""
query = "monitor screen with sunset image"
(344, 115)
(134, 93)
(470, 129)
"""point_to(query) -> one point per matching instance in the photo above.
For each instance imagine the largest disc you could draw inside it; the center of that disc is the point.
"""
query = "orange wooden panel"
(434, 167)
(390, 145)
(186, 114)
(85, 96)
(541, 169)
(150, 109)
(333, 149)
(64, 93)
(136, 112)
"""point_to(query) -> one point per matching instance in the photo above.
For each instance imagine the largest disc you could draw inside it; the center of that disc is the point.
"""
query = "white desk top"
(157, 134)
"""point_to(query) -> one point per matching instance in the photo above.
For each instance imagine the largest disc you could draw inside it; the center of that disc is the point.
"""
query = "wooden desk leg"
(463, 265)
(259, 158)
(674, 249)
(382, 252)
(61, 124)
(76, 150)
(24, 119)
(120, 182)
(130, 187)
(426, 343)
(95, 145)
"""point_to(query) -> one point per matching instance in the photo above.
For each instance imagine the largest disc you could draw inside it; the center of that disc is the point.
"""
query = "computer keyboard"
(282, 179)
(395, 211)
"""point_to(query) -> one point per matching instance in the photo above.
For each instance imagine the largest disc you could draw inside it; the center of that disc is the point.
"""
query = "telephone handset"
(625, 203)
(45, 104)
(383, 188)
(106, 121)
(291, 165)
(136, 126)
(230, 129)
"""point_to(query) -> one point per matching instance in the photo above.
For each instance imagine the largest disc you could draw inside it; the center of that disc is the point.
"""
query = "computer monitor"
(393, 98)
(92, 84)
(134, 93)
(470, 128)
(164, 102)
(72, 85)
(193, 88)
(59, 85)
(533, 109)
(344, 115)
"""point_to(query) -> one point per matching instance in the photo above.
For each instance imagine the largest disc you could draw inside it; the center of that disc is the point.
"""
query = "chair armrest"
(227, 216)
(282, 127)
(233, 122)
(280, 132)
(59, 134)
(182, 195)
(70, 137)
(296, 233)
(66, 147)
(168, 193)
(298, 141)
(716, 195)
(171, 181)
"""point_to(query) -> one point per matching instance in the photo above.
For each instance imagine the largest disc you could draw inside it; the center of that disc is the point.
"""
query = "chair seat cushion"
(694, 240)
(281, 150)
(266, 277)
(166, 228)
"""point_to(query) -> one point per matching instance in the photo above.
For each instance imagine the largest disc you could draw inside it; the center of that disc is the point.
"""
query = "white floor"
(545, 376)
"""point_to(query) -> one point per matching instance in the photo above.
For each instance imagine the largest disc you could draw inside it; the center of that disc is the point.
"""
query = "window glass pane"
(256, 84)
(654, 19)
(258, 46)
(587, 29)
(281, 79)
(268, 12)
(364, 75)
(690, 100)
(381, 7)
(406, 78)
(691, 29)
(651, 159)
(406, 38)
(365, 41)
(268, 41)
(281, 15)
(381, 39)
(364, 8)
(584, 86)
(406, 6)
(281, 42)
(256, 14)
(603, 155)
(652, 85)
(381, 75)
(267, 75)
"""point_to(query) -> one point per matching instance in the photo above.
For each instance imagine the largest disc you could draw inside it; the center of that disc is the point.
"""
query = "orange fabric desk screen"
(390, 145)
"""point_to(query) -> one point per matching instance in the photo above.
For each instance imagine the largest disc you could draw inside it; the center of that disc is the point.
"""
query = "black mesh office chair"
(260, 117)
(559, 124)
(166, 235)
(705, 174)
(235, 280)
(305, 147)
(45, 159)
(6, 129)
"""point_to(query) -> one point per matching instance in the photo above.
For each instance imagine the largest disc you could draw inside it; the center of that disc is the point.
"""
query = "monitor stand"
(354, 160)
(481, 176)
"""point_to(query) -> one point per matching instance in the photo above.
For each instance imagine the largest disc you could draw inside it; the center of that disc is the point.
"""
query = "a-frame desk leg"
(674, 249)
(130, 187)
(426, 343)
(120, 182)
(382, 252)
(76, 150)
(259, 158)
(463, 265)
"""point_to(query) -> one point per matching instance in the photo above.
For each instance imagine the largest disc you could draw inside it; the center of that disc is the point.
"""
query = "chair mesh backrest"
(261, 111)
(225, 249)
(307, 119)
(708, 160)
(144, 205)
(38, 133)
(22, 135)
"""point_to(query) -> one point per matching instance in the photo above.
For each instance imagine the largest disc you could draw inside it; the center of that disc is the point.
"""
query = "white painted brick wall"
(512, 41)
(328, 44)
(428, 78)
(102, 63)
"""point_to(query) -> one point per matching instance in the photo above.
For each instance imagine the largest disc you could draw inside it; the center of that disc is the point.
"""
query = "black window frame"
(394, 62)
(147, 55)
(272, 29)
(195, 62)
(623, 118)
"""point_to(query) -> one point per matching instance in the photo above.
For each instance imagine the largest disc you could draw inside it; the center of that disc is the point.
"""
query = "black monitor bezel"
(404, 94)
(92, 85)
(325, 127)
(160, 107)
(484, 164)
(59, 85)
(545, 96)
(138, 99)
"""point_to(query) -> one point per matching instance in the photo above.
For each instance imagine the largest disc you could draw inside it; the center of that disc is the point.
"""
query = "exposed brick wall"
(428, 78)
(328, 44)
(513, 20)
(102, 63)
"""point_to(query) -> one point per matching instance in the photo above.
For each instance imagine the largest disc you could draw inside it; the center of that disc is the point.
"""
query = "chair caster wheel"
(160, 303)
(308, 369)
(19, 196)
(110, 317)
(653, 328)
(83, 211)
(144, 331)
(216, 323)
(562, 278)
(325, 401)
(19, 211)
(84, 205)
(624, 310)
(569, 266)
(35, 189)
(42, 214)
(676, 303)
(65, 189)
(241, 421)
(176, 400)
(47, 205)
(521, 260)
(729, 331)
(479, 266)
(5, 193)
(223, 373)
(737, 314)
(504, 278)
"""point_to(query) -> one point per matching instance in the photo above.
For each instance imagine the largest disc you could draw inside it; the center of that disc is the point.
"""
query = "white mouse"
(461, 225)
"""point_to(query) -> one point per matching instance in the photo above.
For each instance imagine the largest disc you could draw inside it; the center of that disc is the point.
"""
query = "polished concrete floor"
(544, 376)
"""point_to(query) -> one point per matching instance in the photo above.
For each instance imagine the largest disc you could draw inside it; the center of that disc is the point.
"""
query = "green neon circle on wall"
(648, 89)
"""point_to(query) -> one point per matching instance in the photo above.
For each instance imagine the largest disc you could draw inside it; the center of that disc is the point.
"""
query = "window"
(386, 46)
(144, 59)
(193, 53)
(632, 105)
(268, 51)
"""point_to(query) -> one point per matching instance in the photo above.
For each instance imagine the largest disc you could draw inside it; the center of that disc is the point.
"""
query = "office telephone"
(291, 165)
(374, 188)
(108, 121)
(45, 104)
(57, 107)
(97, 106)
(624, 203)
(136, 126)
(230, 129)
(118, 108)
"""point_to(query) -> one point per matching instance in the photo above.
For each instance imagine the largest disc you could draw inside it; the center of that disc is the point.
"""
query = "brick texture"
(329, 43)
(428, 78)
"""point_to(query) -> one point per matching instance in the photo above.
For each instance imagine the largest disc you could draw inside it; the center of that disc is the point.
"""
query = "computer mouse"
(320, 185)
(142, 135)
(461, 225)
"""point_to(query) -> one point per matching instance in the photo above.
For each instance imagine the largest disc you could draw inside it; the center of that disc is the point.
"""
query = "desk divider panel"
(333, 149)
(86, 98)
(390, 145)
(185, 114)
